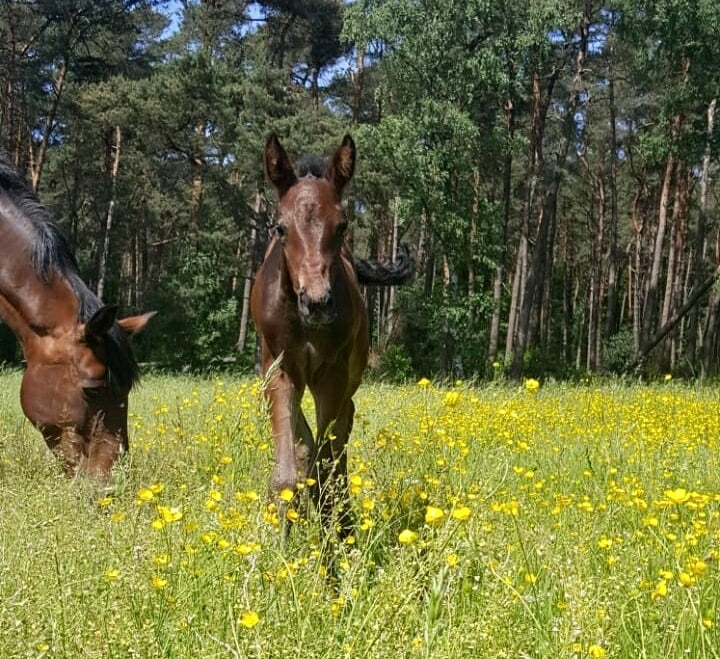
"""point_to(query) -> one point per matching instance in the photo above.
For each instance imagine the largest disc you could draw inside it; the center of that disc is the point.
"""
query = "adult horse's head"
(77, 381)
(311, 225)
(80, 367)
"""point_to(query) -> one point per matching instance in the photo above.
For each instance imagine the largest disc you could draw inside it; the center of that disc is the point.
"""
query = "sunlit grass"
(504, 521)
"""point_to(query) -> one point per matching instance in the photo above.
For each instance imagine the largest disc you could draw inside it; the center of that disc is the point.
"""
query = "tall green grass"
(490, 522)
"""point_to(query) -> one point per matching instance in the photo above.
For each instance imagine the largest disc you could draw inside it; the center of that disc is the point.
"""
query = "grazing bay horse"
(312, 322)
(80, 367)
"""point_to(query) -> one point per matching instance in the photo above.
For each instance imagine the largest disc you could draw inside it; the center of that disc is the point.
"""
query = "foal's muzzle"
(318, 311)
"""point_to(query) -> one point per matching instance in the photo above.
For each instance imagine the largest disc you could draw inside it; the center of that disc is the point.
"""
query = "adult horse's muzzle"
(316, 312)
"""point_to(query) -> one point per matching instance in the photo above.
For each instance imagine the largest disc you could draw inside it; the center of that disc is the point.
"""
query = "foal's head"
(311, 225)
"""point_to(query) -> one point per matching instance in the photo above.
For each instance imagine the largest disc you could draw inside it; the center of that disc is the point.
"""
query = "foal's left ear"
(101, 322)
(278, 167)
(343, 164)
(135, 324)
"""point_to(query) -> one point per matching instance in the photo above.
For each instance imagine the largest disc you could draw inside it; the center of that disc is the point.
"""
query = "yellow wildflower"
(158, 582)
(407, 537)
(112, 574)
(461, 513)
(532, 385)
(434, 515)
(249, 619)
(678, 495)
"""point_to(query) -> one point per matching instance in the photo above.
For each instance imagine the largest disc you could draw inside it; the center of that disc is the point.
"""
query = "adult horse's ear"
(135, 324)
(343, 164)
(101, 322)
(278, 167)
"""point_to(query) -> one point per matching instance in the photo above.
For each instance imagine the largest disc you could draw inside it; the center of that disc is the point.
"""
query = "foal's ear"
(135, 324)
(278, 167)
(101, 322)
(343, 164)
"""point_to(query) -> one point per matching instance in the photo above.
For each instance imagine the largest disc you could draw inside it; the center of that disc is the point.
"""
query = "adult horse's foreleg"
(69, 446)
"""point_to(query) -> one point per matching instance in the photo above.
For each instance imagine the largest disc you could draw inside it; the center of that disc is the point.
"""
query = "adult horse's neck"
(32, 305)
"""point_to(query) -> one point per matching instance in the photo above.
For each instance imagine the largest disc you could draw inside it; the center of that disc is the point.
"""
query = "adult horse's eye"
(342, 228)
(281, 230)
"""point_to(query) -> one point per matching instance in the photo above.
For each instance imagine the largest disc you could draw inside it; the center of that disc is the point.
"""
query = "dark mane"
(314, 166)
(51, 252)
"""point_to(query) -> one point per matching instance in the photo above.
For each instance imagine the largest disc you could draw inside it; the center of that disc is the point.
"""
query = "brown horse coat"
(79, 364)
(312, 322)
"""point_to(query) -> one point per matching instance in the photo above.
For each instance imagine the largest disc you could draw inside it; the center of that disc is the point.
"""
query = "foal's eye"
(281, 230)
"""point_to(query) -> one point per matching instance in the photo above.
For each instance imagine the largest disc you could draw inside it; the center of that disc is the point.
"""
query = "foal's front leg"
(335, 420)
(284, 403)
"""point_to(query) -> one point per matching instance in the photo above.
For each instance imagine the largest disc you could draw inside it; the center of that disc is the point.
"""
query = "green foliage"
(619, 352)
(395, 365)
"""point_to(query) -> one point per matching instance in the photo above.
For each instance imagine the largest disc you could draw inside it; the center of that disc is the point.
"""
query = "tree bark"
(681, 313)
(102, 266)
(651, 301)
(534, 281)
(613, 257)
(500, 264)
(248, 276)
(37, 161)
(693, 319)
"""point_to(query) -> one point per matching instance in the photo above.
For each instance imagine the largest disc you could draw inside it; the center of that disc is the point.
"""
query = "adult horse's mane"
(51, 254)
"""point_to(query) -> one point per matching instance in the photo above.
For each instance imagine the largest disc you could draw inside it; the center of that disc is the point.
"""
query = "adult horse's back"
(80, 367)
(312, 321)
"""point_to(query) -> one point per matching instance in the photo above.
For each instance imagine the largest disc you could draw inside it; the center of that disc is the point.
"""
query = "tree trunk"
(613, 257)
(500, 264)
(445, 345)
(37, 162)
(651, 301)
(102, 266)
(701, 230)
(534, 281)
(596, 275)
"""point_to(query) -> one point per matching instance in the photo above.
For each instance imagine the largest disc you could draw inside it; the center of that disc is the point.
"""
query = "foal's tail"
(400, 271)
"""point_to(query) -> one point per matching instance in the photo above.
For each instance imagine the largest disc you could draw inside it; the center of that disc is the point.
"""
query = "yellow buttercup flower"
(286, 495)
(249, 619)
(407, 537)
(112, 574)
(423, 383)
(661, 590)
(145, 494)
(158, 583)
(678, 495)
(452, 398)
(532, 385)
(434, 515)
(461, 513)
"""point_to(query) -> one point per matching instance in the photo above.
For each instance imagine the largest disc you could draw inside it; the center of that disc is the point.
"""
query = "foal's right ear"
(278, 167)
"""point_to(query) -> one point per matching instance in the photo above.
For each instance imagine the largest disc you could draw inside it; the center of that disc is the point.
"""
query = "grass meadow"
(500, 521)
